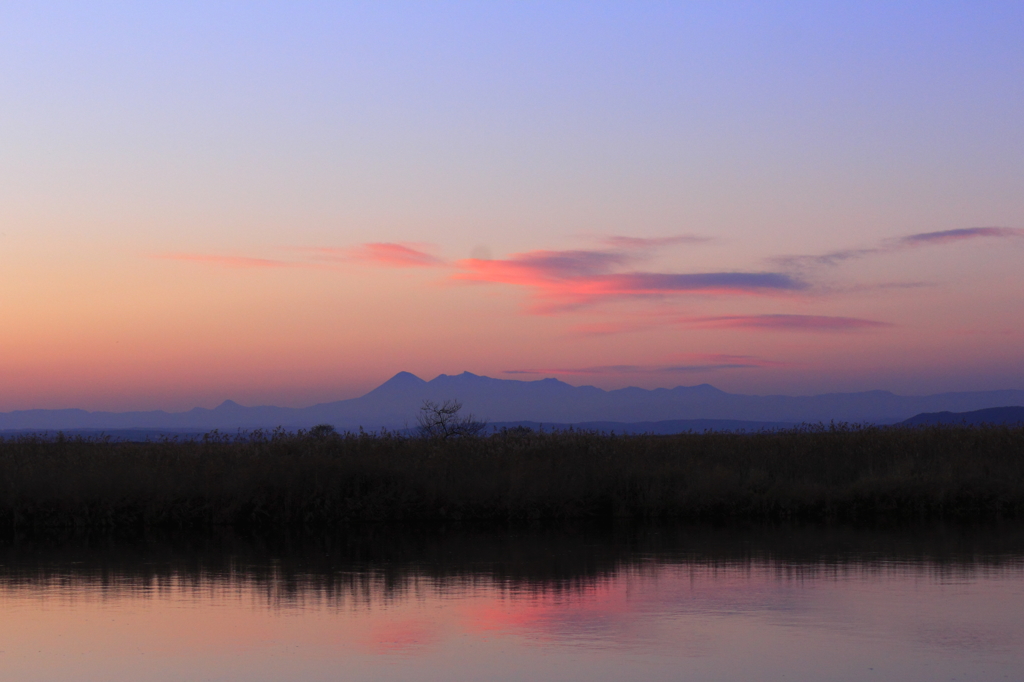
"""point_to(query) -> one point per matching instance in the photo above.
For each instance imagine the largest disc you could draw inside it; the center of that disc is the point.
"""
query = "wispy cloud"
(829, 259)
(385, 254)
(714, 282)
(389, 254)
(544, 265)
(727, 358)
(581, 273)
(559, 264)
(685, 363)
(947, 236)
(822, 323)
(769, 322)
(911, 241)
(565, 279)
(571, 278)
(559, 280)
(604, 370)
(644, 243)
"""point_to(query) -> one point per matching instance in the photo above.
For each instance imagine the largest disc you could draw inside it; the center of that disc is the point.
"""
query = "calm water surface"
(571, 604)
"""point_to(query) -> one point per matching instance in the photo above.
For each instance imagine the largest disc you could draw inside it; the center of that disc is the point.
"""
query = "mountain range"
(395, 404)
(992, 415)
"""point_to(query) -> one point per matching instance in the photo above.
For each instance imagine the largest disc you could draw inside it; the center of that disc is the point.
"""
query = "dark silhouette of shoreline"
(321, 478)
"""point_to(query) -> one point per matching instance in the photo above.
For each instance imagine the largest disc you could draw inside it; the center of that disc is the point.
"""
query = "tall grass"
(321, 478)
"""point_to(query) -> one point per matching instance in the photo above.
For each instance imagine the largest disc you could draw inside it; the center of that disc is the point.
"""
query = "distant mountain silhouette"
(395, 405)
(666, 427)
(992, 415)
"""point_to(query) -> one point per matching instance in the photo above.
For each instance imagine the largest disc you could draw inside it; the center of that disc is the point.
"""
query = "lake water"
(566, 604)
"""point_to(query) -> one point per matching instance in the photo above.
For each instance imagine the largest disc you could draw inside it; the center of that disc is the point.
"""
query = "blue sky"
(138, 139)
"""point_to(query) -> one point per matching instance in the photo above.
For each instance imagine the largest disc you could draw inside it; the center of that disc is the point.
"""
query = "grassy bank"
(313, 479)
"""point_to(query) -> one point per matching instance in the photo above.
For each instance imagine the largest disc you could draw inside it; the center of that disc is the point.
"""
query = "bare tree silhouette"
(443, 421)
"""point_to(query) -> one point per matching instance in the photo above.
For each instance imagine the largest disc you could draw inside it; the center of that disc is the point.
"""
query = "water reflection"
(568, 603)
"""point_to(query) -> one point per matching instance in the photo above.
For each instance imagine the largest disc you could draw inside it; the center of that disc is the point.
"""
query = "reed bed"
(320, 478)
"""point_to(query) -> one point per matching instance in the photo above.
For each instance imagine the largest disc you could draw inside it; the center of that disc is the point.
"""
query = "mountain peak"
(228, 405)
(401, 381)
(465, 376)
(700, 388)
(404, 378)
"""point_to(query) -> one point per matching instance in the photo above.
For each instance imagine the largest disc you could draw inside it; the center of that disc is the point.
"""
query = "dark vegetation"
(444, 421)
(321, 478)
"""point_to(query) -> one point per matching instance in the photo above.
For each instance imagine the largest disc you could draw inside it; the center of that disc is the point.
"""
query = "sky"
(287, 203)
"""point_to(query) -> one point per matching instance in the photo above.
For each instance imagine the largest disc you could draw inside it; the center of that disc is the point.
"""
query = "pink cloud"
(571, 278)
(376, 253)
(389, 254)
(554, 265)
(785, 322)
(559, 280)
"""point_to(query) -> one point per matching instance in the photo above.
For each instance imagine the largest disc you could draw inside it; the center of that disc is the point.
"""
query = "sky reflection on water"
(683, 604)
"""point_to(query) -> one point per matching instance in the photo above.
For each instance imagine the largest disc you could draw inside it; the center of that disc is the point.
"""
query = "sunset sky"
(287, 203)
